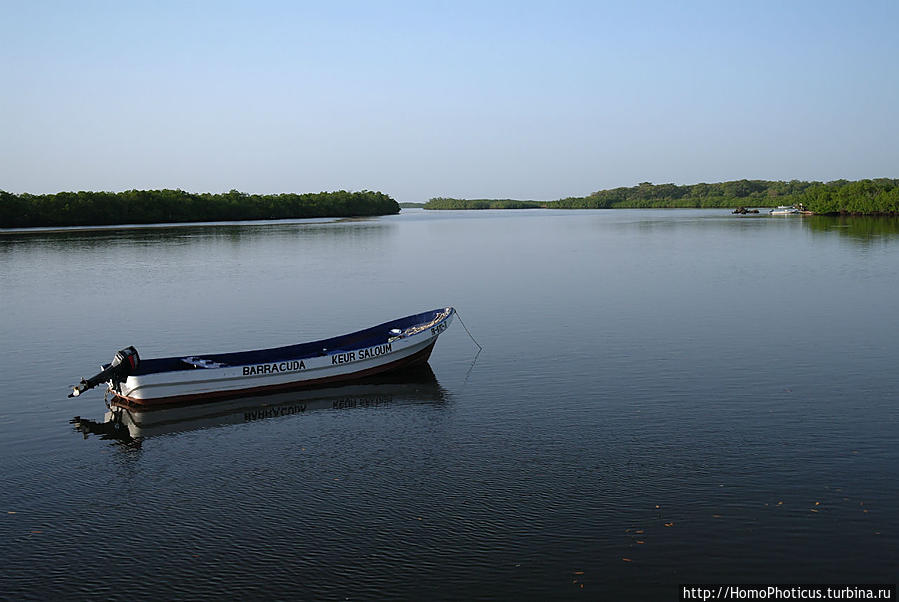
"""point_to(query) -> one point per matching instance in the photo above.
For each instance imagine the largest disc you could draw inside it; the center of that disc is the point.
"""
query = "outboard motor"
(124, 363)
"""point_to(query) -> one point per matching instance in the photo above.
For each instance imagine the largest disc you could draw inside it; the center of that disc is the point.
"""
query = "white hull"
(205, 381)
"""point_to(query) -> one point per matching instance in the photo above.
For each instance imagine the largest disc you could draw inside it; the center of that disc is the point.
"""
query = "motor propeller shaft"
(124, 363)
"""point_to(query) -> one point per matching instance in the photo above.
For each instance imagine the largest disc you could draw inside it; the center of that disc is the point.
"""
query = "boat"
(417, 385)
(785, 210)
(160, 382)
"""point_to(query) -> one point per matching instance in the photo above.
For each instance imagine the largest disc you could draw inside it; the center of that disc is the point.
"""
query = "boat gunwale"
(360, 339)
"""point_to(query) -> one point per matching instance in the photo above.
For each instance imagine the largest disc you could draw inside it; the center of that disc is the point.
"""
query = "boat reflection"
(415, 385)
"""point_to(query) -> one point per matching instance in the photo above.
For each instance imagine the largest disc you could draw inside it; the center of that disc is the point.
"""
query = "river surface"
(663, 397)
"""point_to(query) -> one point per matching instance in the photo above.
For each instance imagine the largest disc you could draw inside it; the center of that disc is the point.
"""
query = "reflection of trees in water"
(861, 229)
(72, 239)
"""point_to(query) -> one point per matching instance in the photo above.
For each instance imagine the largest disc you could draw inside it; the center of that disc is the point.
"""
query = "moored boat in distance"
(785, 210)
(145, 383)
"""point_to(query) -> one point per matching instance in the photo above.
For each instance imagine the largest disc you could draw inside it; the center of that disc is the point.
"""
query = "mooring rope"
(471, 367)
(468, 331)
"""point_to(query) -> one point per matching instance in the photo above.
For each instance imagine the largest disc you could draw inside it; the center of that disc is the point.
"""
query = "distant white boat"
(785, 210)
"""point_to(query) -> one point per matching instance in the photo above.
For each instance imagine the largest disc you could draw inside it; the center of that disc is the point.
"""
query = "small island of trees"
(177, 206)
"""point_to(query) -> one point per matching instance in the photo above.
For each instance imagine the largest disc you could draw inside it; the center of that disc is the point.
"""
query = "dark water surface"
(663, 397)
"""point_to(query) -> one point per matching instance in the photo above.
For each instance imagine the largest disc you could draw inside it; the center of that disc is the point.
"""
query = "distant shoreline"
(840, 197)
(877, 197)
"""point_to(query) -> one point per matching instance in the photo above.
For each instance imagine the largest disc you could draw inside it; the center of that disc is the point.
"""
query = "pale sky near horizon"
(527, 100)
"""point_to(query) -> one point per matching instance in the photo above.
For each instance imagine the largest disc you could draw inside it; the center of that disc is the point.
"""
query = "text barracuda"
(274, 368)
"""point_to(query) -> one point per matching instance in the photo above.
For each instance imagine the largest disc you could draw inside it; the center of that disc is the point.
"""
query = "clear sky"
(530, 100)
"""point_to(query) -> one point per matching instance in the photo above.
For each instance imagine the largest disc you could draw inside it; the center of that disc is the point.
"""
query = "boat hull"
(263, 375)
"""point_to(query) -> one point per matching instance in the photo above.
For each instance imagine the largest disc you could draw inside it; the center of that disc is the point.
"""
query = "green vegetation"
(447, 203)
(750, 193)
(175, 206)
(411, 205)
(869, 197)
(863, 197)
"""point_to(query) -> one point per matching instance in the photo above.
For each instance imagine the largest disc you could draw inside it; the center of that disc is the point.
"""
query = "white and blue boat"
(390, 346)
(785, 210)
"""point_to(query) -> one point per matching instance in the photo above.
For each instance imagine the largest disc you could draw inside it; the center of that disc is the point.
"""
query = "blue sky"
(531, 100)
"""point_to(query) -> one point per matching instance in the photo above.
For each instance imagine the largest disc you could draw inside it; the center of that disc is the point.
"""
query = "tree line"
(861, 197)
(450, 203)
(177, 206)
(870, 197)
(760, 193)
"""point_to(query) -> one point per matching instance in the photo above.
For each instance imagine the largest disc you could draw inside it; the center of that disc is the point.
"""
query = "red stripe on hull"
(419, 357)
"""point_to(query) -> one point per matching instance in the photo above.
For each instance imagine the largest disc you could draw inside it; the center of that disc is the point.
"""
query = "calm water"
(663, 397)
